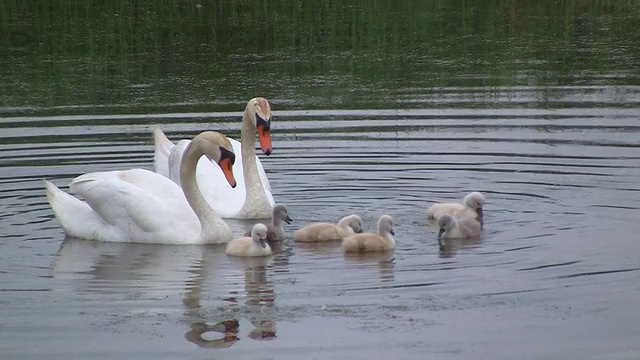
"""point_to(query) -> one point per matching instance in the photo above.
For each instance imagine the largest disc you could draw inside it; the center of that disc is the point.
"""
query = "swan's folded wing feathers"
(225, 200)
(75, 216)
(175, 159)
(265, 181)
(436, 210)
(126, 206)
(161, 153)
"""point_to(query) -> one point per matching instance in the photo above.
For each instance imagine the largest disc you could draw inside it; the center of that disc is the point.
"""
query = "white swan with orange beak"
(252, 198)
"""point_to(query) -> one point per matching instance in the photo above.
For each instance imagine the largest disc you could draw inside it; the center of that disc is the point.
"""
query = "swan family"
(199, 182)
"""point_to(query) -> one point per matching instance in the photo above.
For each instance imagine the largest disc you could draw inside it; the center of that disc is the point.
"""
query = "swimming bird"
(252, 198)
(368, 242)
(141, 206)
(256, 245)
(275, 230)
(472, 203)
(348, 225)
(454, 228)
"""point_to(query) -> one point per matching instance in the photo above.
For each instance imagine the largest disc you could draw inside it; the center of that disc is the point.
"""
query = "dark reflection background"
(136, 56)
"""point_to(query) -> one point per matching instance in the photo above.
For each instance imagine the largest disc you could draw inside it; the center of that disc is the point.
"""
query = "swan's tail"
(76, 217)
(163, 148)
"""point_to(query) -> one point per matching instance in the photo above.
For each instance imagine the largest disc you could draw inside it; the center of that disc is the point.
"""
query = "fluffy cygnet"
(369, 242)
(275, 230)
(472, 203)
(348, 225)
(454, 228)
(256, 245)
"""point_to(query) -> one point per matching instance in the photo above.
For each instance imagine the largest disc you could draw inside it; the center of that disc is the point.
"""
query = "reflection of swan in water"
(384, 260)
(449, 247)
(158, 272)
(228, 328)
(143, 270)
(264, 330)
(259, 295)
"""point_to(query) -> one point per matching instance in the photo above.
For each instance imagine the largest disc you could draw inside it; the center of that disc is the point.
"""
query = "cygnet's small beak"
(480, 212)
(440, 232)
(359, 231)
(288, 219)
(263, 243)
(392, 232)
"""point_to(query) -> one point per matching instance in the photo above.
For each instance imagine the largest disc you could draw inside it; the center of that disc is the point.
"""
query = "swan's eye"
(226, 154)
(265, 124)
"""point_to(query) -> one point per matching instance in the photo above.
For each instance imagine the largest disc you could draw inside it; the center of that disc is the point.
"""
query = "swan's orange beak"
(264, 134)
(227, 168)
(265, 140)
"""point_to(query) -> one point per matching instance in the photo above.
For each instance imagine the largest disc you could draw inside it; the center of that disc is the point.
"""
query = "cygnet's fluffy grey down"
(348, 225)
(275, 230)
(455, 228)
(256, 245)
(473, 204)
(369, 242)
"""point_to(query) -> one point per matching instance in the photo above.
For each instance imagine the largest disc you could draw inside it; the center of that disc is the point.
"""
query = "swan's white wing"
(223, 199)
(265, 181)
(175, 158)
(469, 226)
(75, 216)
(436, 210)
(161, 153)
(137, 206)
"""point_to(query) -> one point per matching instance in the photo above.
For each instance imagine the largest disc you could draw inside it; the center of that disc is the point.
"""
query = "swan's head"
(259, 234)
(385, 225)
(281, 212)
(475, 200)
(259, 112)
(353, 221)
(446, 222)
(218, 148)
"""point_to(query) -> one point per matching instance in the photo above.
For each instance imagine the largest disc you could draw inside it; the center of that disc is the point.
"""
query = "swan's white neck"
(211, 225)
(255, 195)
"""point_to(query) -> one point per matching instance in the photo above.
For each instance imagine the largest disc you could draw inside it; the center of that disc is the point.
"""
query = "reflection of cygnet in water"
(348, 225)
(367, 242)
(264, 330)
(256, 245)
(452, 228)
(471, 206)
(275, 231)
(198, 330)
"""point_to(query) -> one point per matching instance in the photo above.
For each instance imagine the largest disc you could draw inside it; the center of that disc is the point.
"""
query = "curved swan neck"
(248, 145)
(253, 184)
(209, 220)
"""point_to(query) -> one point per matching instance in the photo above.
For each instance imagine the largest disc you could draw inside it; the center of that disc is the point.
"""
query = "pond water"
(553, 143)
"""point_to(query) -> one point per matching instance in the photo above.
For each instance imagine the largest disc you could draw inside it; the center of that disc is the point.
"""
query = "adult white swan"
(141, 206)
(252, 198)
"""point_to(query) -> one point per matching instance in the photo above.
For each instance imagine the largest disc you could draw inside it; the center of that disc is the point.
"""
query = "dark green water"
(137, 56)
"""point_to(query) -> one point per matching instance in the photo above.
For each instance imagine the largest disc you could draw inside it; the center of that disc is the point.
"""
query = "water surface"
(550, 137)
